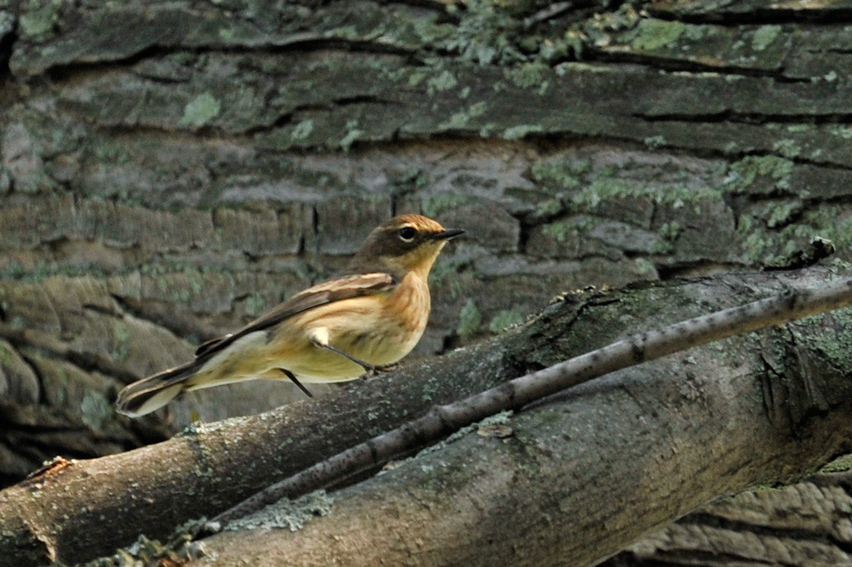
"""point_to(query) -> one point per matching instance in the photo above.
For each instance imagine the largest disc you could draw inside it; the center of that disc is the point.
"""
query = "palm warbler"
(334, 331)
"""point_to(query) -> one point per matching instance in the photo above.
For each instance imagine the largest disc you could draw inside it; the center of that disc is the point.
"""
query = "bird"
(372, 315)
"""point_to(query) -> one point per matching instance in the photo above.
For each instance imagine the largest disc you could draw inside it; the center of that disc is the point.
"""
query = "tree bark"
(184, 163)
(577, 480)
(169, 170)
(604, 462)
(805, 524)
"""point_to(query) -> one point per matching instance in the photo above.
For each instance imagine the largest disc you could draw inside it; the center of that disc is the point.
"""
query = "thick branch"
(208, 469)
(442, 420)
(589, 471)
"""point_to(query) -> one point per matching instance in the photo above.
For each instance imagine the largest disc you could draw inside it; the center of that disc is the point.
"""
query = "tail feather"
(152, 393)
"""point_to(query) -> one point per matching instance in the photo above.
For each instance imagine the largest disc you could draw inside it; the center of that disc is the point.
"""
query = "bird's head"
(403, 244)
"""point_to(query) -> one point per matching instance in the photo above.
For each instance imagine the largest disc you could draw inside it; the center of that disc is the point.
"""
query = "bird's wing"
(337, 289)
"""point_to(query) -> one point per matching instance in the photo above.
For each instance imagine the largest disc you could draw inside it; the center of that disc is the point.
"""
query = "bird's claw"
(373, 371)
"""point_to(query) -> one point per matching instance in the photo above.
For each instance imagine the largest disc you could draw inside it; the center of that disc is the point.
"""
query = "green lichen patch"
(201, 110)
(463, 118)
(434, 205)
(440, 82)
(782, 213)
(560, 173)
(761, 174)
(764, 36)
(95, 410)
(839, 465)
(504, 319)
(521, 131)
(771, 233)
(253, 304)
(654, 34)
(599, 30)
(302, 130)
(607, 188)
(831, 340)
(702, 45)
(527, 75)
(487, 33)
(843, 132)
(38, 18)
(787, 148)
(353, 133)
(670, 231)
(121, 334)
(566, 230)
(470, 319)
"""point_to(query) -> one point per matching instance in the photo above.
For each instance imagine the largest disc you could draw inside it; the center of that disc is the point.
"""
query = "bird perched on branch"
(337, 330)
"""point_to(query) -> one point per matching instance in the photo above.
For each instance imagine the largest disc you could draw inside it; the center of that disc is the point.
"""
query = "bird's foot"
(376, 370)
(369, 372)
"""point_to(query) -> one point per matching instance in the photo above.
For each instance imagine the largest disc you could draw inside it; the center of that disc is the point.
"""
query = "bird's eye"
(406, 234)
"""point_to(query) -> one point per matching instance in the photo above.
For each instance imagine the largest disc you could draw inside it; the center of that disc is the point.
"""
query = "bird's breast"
(394, 329)
(409, 304)
(379, 329)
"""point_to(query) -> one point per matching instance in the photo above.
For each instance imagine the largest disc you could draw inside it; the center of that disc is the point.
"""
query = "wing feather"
(337, 289)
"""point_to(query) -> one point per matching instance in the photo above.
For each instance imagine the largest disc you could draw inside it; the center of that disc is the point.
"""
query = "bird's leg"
(293, 379)
(369, 369)
(320, 339)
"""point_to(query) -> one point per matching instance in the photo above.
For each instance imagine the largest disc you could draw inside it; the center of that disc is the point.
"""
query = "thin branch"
(442, 420)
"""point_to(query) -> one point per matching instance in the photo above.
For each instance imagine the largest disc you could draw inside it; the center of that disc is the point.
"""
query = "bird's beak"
(447, 234)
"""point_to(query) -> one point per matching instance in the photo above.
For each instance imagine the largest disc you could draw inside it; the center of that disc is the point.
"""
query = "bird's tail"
(152, 393)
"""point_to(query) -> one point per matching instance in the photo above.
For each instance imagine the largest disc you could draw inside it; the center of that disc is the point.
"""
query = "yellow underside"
(377, 329)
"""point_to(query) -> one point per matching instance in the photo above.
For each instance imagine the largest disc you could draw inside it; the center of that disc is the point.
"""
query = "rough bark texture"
(804, 524)
(168, 171)
(604, 462)
(577, 479)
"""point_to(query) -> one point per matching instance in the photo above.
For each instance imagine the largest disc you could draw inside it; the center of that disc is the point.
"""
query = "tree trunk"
(169, 171)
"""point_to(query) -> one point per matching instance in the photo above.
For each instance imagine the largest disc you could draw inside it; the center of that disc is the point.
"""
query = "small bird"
(338, 330)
